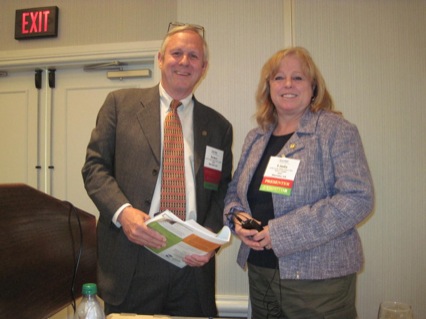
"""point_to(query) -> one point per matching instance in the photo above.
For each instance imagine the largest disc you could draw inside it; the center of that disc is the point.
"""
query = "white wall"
(373, 57)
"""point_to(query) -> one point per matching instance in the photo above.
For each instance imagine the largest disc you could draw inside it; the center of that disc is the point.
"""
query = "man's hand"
(198, 260)
(133, 222)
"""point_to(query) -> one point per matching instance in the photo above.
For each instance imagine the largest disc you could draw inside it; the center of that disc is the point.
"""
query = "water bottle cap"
(89, 289)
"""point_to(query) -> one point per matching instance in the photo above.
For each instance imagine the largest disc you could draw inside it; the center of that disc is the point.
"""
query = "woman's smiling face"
(290, 89)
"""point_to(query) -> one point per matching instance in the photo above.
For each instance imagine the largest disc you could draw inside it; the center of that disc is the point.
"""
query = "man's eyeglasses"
(199, 28)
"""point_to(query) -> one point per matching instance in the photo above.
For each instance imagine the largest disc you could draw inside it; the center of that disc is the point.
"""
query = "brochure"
(185, 237)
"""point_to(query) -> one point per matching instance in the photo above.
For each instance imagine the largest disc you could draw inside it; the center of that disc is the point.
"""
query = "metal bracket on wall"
(115, 70)
(144, 73)
(52, 78)
(37, 78)
(114, 65)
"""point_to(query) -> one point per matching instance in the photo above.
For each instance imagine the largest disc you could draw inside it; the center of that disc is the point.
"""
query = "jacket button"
(147, 202)
(154, 172)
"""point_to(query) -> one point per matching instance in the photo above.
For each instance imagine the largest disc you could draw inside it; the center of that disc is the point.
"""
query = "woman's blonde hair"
(266, 114)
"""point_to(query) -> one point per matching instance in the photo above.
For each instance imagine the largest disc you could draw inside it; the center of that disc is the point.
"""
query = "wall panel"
(372, 55)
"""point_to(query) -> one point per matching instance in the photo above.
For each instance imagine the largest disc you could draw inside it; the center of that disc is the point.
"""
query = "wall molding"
(78, 55)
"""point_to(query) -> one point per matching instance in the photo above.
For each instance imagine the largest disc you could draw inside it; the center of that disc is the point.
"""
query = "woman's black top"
(260, 202)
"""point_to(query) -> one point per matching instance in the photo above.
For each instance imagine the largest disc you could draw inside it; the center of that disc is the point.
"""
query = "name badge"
(279, 175)
(212, 168)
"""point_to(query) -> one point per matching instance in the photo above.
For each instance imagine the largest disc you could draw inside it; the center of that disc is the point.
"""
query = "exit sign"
(36, 23)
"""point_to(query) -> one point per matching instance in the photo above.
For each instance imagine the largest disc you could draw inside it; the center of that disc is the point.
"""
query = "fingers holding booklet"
(185, 238)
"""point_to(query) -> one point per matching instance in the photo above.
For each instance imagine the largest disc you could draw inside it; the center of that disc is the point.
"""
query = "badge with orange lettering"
(279, 175)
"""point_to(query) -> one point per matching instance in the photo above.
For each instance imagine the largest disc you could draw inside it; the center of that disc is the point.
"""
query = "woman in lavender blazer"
(303, 263)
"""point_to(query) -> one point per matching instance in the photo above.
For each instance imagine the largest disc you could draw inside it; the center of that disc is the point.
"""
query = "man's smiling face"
(182, 64)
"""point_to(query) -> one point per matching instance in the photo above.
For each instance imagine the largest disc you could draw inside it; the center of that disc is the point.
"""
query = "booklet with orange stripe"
(185, 237)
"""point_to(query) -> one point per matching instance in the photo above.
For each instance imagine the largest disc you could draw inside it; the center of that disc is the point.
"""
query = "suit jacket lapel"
(201, 136)
(149, 119)
(307, 127)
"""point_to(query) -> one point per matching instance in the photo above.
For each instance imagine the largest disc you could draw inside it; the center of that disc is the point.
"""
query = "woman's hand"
(264, 238)
(251, 237)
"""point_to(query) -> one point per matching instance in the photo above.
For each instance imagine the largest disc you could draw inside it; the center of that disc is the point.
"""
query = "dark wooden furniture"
(41, 239)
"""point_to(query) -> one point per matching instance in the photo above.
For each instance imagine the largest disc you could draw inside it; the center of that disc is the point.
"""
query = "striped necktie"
(173, 176)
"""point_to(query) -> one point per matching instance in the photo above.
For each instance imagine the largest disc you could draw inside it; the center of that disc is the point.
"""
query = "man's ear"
(205, 67)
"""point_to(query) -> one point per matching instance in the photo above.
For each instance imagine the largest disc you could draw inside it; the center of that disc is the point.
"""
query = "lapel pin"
(292, 146)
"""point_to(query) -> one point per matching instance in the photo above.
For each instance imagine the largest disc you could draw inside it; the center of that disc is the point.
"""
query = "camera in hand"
(246, 223)
(251, 224)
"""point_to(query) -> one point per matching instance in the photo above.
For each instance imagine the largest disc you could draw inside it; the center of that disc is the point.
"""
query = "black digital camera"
(248, 223)
(251, 224)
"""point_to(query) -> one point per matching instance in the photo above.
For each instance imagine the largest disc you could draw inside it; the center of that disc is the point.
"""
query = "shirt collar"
(166, 99)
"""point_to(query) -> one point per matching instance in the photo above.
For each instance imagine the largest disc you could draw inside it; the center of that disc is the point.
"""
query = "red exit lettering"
(35, 22)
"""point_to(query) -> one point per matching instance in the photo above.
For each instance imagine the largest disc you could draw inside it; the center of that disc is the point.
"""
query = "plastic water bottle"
(89, 307)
